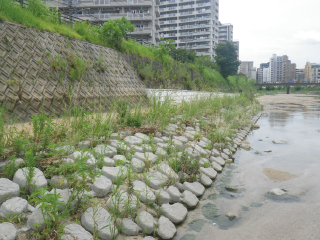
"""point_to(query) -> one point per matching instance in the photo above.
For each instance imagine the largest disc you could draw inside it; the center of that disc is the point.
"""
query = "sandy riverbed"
(293, 166)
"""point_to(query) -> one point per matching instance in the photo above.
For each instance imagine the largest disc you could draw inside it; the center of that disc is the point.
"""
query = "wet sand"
(293, 166)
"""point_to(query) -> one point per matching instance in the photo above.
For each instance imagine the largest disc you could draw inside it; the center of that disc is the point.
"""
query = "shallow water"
(293, 166)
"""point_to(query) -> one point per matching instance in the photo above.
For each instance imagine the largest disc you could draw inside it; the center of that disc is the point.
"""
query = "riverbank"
(122, 178)
(292, 166)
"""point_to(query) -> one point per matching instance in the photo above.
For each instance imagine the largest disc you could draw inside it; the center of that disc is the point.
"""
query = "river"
(293, 166)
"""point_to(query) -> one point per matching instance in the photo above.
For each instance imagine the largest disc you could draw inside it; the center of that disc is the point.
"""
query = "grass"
(217, 117)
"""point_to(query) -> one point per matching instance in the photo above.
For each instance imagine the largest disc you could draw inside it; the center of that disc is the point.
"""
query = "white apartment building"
(225, 33)
(190, 24)
(141, 13)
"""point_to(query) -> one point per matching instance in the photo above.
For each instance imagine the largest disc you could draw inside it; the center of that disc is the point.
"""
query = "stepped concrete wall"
(36, 73)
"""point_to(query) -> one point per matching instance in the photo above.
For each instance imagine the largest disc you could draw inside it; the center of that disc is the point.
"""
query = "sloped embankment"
(47, 72)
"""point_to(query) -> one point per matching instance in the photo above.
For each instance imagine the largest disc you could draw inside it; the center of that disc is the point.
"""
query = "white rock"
(132, 140)
(129, 227)
(218, 160)
(142, 136)
(205, 180)
(101, 186)
(143, 192)
(76, 231)
(168, 171)
(202, 144)
(210, 172)
(109, 162)
(176, 212)
(64, 197)
(107, 151)
(166, 229)
(114, 173)
(145, 222)
(146, 157)
(35, 220)
(215, 153)
(216, 166)
(137, 149)
(162, 197)
(174, 193)
(59, 182)
(277, 192)
(182, 139)
(119, 158)
(196, 188)
(156, 179)
(38, 179)
(137, 165)
(13, 207)
(8, 189)
(8, 231)
(224, 156)
(121, 201)
(190, 199)
(99, 220)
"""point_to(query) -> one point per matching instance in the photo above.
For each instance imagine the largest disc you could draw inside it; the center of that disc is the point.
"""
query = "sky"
(282, 27)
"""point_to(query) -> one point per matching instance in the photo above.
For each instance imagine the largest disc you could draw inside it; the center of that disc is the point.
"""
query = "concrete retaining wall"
(29, 84)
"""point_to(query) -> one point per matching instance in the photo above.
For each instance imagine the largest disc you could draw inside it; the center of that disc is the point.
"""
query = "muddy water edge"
(293, 166)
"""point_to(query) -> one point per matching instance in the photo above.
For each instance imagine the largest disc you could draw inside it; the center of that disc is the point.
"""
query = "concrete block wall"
(30, 85)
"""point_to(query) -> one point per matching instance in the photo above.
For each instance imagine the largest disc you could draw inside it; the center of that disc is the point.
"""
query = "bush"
(112, 32)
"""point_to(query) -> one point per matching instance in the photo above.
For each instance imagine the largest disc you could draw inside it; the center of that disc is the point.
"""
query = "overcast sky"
(282, 27)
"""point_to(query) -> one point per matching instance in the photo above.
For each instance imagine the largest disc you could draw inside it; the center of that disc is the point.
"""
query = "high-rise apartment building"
(191, 24)
(300, 74)
(142, 13)
(281, 69)
(225, 33)
(262, 73)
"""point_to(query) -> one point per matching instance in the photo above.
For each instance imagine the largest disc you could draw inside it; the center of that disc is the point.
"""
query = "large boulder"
(166, 229)
(14, 207)
(8, 231)
(38, 180)
(8, 189)
(175, 212)
(98, 219)
(76, 231)
(146, 222)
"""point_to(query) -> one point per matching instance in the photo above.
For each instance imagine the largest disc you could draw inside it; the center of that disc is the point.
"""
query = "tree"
(227, 59)
(206, 61)
(184, 55)
(112, 32)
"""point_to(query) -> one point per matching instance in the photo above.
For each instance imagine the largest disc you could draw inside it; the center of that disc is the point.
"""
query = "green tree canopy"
(113, 32)
(185, 54)
(227, 59)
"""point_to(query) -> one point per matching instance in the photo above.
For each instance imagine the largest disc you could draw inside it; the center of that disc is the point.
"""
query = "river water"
(293, 166)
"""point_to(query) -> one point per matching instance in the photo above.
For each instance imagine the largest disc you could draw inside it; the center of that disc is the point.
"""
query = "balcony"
(135, 1)
(187, 13)
(203, 11)
(204, 53)
(186, 6)
(141, 30)
(134, 16)
(203, 4)
(101, 2)
(168, 2)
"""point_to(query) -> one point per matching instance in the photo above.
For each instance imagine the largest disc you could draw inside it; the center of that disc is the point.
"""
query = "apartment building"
(281, 69)
(225, 33)
(142, 13)
(190, 24)
(300, 74)
(246, 68)
(312, 72)
(262, 73)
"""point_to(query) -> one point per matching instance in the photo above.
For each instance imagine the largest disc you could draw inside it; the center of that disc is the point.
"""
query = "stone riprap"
(154, 181)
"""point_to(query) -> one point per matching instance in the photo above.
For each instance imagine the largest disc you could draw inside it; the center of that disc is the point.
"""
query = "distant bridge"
(286, 84)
